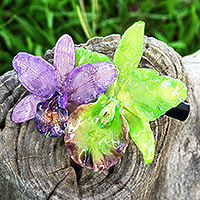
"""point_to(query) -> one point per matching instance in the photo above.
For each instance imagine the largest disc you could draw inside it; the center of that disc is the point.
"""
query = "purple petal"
(88, 81)
(26, 108)
(51, 117)
(35, 74)
(64, 57)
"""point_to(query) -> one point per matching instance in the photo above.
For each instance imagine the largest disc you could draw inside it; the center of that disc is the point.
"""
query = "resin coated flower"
(55, 87)
(97, 133)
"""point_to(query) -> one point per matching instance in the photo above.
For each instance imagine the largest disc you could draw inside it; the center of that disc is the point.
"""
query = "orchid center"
(108, 112)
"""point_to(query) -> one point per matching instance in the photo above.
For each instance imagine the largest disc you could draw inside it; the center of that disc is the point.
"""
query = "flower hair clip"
(107, 101)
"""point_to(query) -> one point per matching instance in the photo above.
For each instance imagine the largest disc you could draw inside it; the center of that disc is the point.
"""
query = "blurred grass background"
(34, 26)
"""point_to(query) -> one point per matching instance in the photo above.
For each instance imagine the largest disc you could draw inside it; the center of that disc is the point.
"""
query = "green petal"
(142, 135)
(87, 56)
(94, 144)
(149, 95)
(129, 51)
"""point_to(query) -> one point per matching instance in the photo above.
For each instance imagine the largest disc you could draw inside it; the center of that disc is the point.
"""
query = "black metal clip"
(179, 112)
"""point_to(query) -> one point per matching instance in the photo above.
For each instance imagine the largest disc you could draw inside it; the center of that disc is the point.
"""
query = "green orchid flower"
(98, 133)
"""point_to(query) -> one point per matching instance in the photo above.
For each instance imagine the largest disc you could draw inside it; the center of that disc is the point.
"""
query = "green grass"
(34, 26)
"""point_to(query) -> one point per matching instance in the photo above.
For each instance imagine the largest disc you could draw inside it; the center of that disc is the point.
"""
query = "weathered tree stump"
(33, 167)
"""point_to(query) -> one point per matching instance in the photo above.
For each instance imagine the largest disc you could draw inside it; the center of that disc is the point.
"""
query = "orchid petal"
(149, 95)
(35, 74)
(92, 145)
(64, 57)
(128, 54)
(26, 108)
(88, 56)
(88, 81)
(51, 117)
(129, 50)
(142, 135)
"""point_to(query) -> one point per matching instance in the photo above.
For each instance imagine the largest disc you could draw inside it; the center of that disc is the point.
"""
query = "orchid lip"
(89, 143)
(51, 116)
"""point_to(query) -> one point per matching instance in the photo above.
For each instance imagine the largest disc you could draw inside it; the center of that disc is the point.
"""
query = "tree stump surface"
(34, 167)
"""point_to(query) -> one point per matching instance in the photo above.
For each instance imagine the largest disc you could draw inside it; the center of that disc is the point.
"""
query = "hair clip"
(107, 101)
(179, 112)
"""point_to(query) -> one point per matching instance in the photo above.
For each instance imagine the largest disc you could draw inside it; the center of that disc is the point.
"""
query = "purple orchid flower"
(57, 87)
